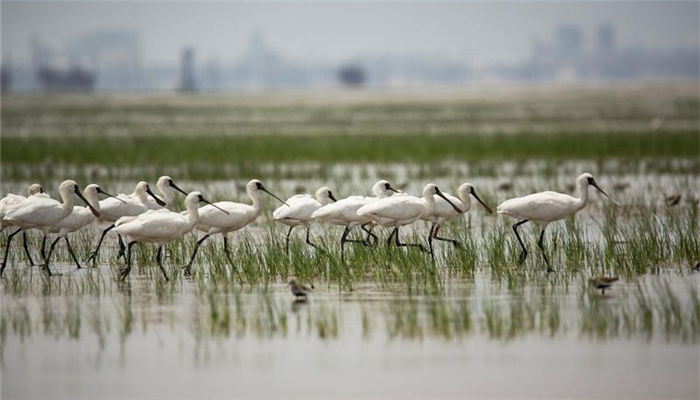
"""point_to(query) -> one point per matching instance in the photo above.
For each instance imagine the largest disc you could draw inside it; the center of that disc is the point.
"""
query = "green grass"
(377, 148)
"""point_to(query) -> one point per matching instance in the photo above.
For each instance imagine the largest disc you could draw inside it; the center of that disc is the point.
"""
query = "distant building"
(74, 79)
(5, 79)
(606, 38)
(569, 41)
(351, 75)
(187, 80)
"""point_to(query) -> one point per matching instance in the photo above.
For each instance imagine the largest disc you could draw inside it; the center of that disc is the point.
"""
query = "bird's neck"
(193, 213)
(582, 199)
(255, 198)
(94, 201)
(168, 196)
(68, 203)
(141, 196)
(466, 201)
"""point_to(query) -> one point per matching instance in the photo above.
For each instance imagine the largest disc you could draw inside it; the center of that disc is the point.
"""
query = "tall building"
(606, 38)
(187, 80)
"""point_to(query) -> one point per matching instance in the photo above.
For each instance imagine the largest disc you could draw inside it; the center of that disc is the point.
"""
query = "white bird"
(39, 212)
(79, 218)
(299, 210)
(159, 227)
(403, 209)
(546, 207)
(238, 216)
(12, 200)
(344, 213)
(443, 211)
(167, 187)
(124, 205)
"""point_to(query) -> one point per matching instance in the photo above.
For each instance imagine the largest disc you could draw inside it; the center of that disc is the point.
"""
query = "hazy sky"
(481, 32)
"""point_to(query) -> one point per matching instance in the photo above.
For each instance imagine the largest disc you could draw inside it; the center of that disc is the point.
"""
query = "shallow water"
(472, 333)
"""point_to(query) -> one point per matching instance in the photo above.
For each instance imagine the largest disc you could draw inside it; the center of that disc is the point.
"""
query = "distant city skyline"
(477, 32)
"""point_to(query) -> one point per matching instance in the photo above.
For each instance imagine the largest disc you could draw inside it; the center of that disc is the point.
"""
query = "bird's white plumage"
(401, 209)
(443, 210)
(161, 226)
(546, 207)
(132, 204)
(300, 208)
(239, 215)
(80, 217)
(41, 212)
(344, 212)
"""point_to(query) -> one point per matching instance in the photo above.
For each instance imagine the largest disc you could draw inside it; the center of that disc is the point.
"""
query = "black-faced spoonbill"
(167, 187)
(544, 208)
(39, 212)
(344, 213)
(79, 218)
(444, 211)
(12, 200)
(160, 227)
(299, 211)
(403, 209)
(124, 205)
(238, 216)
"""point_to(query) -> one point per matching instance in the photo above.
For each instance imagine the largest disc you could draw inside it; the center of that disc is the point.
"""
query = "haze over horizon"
(478, 33)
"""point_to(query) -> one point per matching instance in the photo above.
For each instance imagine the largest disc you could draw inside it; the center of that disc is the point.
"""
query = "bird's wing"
(11, 199)
(300, 208)
(394, 207)
(152, 225)
(543, 206)
(33, 208)
(113, 207)
(443, 209)
(238, 216)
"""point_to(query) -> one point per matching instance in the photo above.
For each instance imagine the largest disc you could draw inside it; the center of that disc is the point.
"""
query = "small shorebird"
(603, 282)
(299, 290)
(673, 200)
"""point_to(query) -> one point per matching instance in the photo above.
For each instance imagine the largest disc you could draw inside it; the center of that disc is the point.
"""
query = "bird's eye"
(170, 182)
(387, 186)
(591, 181)
(259, 185)
(330, 193)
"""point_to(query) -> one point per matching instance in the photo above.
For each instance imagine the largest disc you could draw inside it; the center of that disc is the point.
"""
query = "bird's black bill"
(595, 185)
(392, 189)
(174, 186)
(158, 200)
(482, 203)
(215, 206)
(109, 195)
(92, 209)
(271, 194)
(330, 196)
(439, 193)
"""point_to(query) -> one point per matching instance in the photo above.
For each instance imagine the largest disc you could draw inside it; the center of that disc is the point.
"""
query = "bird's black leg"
(121, 247)
(391, 236)
(70, 250)
(289, 233)
(7, 249)
(540, 243)
(48, 256)
(125, 272)
(430, 241)
(308, 241)
(93, 255)
(436, 237)
(194, 253)
(342, 242)
(523, 255)
(43, 247)
(370, 235)
(226, 250)
(399, 244)
(159, 260)
(26, 249)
